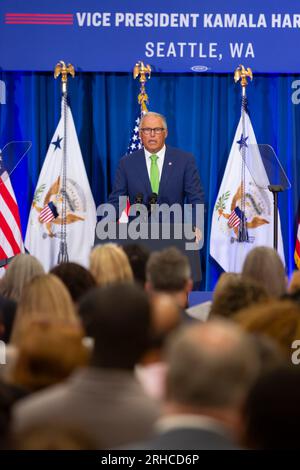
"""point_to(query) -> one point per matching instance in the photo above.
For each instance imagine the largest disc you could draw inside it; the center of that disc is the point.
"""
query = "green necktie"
(154, 174)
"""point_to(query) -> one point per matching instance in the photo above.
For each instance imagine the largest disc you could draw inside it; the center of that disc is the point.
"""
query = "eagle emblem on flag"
(53, 201)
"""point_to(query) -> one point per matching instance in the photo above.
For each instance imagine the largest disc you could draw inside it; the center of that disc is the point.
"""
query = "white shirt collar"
(160, 154)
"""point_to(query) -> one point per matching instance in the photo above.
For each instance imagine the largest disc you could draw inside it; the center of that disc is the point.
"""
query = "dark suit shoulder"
(174, 152)
(132, 156)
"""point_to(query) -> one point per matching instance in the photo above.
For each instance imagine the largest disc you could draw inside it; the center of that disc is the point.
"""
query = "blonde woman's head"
(45, 298)
(109, 264)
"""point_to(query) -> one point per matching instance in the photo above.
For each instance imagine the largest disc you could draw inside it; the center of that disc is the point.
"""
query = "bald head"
(210, 365)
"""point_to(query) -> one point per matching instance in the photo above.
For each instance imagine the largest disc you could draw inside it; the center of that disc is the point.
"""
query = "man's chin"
(153, 149)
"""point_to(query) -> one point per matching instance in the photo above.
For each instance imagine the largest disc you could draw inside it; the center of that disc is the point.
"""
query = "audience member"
(234, 294)
(51, 438)
(294, 285)
(265, 266)
(45, 299)
(109, 264)
(169, 271)
(104, 401)
(272, 411)
(77, 279)
(278, 320)
(211, 367)
(48, 353)
(151, 369)
(20, 271)
(138, 256)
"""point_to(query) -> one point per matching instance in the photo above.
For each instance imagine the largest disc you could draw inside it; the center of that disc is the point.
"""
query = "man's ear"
(189, 285)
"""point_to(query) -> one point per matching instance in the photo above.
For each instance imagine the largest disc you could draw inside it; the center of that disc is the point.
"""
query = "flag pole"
(241, 74)
(62, 69)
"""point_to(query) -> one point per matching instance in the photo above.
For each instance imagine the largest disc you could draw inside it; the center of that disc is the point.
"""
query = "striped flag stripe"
(234, 222)
(11, 221)
(6, 245)
(46, 217)
(10, 226)
(3, 255)
(7, 192)
(297, 248)
(9, 234)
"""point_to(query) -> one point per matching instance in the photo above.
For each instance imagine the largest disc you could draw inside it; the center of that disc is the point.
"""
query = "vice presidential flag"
(44, 230)
(256, 211)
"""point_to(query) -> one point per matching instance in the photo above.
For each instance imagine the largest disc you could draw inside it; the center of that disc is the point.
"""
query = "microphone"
(152, 201)
(139, 198)
(138, 201)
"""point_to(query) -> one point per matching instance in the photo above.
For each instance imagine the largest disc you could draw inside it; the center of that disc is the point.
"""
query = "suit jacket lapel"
(166, 172)
(142, 171)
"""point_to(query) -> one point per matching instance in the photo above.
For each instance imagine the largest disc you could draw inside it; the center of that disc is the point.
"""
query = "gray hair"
(264, 265)
(152, 113)
(20, 271)
(168, 270)
(210, 365)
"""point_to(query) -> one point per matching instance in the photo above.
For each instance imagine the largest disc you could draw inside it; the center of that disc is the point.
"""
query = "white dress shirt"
(160, 160)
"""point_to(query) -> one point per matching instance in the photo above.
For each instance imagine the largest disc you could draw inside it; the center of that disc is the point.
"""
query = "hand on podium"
(198, 235)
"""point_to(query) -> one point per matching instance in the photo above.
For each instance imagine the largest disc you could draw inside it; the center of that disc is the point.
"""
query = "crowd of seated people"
(110, 358)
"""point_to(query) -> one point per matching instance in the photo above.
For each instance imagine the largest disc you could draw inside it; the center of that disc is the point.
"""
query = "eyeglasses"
(149, 130)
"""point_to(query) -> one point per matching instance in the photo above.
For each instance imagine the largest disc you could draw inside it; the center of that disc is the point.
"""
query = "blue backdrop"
(202, 114)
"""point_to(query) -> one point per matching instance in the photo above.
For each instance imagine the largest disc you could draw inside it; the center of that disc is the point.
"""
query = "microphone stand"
(275, 189)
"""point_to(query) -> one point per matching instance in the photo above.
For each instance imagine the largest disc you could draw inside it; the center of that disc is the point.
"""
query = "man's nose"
(152, 132)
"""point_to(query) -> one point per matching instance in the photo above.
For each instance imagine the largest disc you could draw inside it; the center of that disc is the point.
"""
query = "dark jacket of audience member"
(272, 411)
(104, 401)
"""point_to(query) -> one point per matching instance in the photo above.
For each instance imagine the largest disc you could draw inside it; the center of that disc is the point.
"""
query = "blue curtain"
(202, 113)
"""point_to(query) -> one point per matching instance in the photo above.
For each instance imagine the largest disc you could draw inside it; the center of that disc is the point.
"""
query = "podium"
(155, 237)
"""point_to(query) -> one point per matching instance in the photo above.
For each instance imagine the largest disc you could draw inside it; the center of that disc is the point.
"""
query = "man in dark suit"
(210, 368)
(158, 172)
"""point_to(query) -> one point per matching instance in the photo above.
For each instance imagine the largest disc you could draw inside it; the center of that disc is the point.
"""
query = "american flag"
(135, 141)
(11, 242)
(297, 248)
(134, 144)
(48, 213)
(235, 218)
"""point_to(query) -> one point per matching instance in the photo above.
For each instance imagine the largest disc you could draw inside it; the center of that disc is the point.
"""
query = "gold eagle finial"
(142, 70)
(62, 69)
(242, 74)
